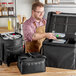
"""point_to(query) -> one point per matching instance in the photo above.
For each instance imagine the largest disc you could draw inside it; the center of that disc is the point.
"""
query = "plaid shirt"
(29, 28)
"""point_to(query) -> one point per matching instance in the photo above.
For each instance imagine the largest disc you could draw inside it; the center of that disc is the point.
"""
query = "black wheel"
(0, 62)
(8, 64)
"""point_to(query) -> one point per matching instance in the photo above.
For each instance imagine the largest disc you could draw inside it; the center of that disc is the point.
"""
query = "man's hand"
(38, 36)
(50, 36)
(58, 12)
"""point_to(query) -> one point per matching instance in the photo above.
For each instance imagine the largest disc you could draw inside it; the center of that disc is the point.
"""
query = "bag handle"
(36, 56)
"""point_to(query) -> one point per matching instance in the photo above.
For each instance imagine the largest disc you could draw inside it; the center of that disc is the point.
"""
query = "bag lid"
(61, 23)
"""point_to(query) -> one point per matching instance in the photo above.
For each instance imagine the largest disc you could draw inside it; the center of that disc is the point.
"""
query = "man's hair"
(37, 4)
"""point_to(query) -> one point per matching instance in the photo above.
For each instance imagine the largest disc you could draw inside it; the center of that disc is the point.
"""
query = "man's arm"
(37, 36)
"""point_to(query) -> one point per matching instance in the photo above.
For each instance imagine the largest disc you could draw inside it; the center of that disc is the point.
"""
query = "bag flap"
(61, 23)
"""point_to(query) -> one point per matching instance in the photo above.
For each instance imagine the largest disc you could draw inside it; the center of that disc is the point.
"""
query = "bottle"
(42, 1)
(10, 9)
(4, 9)
(9, 24)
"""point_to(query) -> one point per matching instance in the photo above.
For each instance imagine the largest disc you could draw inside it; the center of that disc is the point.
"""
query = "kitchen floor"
(50, 71)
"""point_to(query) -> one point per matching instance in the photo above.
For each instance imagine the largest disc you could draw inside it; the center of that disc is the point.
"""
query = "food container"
(4, 9)
(10, 9)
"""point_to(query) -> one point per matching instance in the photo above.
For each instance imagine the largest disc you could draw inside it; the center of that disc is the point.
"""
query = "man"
(31, 37)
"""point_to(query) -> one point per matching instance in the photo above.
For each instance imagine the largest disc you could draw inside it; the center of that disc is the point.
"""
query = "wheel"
(0, 62)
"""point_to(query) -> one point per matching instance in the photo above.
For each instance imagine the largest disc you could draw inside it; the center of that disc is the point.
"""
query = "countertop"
(5, 29)
(13, 70)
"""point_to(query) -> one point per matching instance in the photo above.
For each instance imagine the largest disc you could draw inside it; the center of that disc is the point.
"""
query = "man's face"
(38, 13)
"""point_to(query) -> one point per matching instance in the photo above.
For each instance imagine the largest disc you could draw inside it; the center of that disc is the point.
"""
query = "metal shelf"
(8, 16)
(15, 16)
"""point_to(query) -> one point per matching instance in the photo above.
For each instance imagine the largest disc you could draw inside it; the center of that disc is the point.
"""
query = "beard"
(38, 18)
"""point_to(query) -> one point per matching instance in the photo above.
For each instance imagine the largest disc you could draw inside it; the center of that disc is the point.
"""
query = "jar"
(56, 1)
(42, 1)
(74, 1)
(0, 8)
(4, 9)
(49, 1)
(10, 9)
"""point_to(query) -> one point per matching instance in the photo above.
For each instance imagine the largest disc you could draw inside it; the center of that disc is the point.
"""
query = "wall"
(23, 7)
(66, 8)
(67, 0)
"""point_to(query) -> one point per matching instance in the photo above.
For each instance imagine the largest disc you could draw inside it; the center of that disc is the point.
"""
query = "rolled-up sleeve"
(27, 32)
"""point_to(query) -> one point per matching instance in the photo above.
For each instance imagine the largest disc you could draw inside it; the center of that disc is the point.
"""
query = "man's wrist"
(44, 35)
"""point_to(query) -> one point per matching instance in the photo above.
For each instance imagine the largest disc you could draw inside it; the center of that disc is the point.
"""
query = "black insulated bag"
(1, 50)
(12, 47)
(31, 63)
(61, 53)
